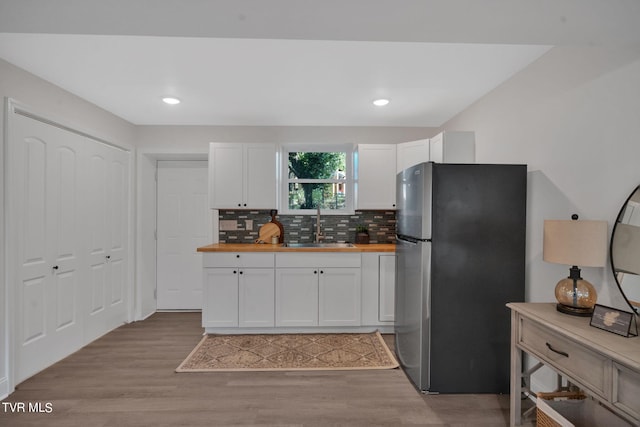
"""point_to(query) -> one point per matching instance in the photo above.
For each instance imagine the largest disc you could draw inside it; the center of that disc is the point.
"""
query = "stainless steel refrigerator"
(461, 258)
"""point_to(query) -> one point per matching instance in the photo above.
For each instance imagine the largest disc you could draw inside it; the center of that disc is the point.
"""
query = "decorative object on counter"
(613, 320)
(267, 232)
(575, 243)
(273, 213)
(362, 235)
(289, 352)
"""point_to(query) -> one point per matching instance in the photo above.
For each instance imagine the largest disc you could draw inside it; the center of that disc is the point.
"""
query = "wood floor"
(127, 378)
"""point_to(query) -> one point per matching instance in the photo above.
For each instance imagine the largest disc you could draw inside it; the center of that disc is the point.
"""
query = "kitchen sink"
(318, 245)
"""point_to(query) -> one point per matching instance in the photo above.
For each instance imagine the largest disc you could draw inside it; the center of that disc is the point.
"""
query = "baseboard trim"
(4, 388)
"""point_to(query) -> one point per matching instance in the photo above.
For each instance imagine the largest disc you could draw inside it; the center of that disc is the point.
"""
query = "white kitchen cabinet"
(453, 147)
(386, 287)
(220, 306)
(411, 153)
(291, 291)
(238, 290)
(242, 176)
(378, 289)
(376, 176)
(256, 295)
(296, 296)
(339, 297)
(320, 289)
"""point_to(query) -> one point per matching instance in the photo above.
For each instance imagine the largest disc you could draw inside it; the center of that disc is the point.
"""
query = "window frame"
(283, 177)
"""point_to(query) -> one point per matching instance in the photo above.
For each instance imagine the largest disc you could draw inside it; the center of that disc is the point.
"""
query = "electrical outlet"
(228, 225)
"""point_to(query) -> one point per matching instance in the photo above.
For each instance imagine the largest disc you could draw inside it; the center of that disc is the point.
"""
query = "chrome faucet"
(319, 234)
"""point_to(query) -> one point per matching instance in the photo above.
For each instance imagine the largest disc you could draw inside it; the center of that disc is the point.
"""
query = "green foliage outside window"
(317, 179)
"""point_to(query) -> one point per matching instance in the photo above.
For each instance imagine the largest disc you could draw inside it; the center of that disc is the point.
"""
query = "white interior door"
(184, 223)
(45, 198)
(107, 195)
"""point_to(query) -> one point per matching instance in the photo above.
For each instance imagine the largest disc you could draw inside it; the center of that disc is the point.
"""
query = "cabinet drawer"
(576, 361)
(626, 390)
(333, 259)
(238, 259)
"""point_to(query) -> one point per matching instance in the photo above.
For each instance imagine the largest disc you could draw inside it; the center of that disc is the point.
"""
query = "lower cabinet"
(339, 297)
(296, 297)
(238, 290)
(321, 289)
(220, 305)
(256, 296)
(298, 290)
(238, 297)
(386, 287)
(378, 288)
(318, 296)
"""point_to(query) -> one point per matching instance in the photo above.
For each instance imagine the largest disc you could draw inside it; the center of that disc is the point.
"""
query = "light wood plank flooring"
(127, 378)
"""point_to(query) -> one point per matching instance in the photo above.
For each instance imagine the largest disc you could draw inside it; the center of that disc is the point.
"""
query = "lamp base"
(575, 311)
(575, 295)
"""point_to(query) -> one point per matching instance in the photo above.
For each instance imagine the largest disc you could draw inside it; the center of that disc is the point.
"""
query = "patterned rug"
(289, 352)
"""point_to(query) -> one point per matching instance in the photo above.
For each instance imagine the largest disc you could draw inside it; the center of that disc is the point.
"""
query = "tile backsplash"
(243, 226)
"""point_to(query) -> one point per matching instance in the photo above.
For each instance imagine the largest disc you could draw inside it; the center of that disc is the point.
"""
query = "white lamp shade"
(575, 242)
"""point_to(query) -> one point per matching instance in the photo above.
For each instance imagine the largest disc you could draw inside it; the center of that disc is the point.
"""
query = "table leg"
(515, 415)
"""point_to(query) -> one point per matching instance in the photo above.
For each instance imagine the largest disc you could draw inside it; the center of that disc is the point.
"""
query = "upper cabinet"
(376, 176)
(242, 176)
(453, 147)
(411, 153)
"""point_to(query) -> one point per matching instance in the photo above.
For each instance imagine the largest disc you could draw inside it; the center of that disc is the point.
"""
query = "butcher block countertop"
(265, 247)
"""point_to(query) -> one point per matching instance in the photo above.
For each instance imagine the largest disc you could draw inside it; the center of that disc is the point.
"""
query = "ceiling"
(296, 62)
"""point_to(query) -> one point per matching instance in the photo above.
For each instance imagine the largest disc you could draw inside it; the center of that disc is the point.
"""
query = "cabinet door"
(260, 176)
(296, 297)
(256, 297)
(339, 297)
(411, 153)
(376, 184)
(386, 288)
(220, 305)
(226, 176)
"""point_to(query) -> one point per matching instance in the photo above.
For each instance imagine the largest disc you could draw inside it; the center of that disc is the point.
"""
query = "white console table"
(606, 366)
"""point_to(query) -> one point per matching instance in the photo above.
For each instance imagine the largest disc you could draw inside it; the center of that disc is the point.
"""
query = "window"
(317, 176)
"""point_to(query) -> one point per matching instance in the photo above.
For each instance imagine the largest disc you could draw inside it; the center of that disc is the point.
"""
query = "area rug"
(289, 352)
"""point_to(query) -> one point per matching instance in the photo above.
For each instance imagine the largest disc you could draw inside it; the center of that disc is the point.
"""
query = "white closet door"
(107, 196)
(45, 203)
(184, 224)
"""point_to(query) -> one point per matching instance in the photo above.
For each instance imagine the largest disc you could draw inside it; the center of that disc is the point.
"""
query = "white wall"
(573, 117)
(47, 99)
(178, 138)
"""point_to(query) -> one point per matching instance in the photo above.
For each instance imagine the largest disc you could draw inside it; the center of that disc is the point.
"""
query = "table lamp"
(575, 243)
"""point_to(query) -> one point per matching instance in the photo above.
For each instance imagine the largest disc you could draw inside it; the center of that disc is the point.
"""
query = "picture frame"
(613, 320)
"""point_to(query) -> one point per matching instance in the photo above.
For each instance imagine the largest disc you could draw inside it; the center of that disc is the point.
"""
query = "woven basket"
(573, 409)
(544, 419)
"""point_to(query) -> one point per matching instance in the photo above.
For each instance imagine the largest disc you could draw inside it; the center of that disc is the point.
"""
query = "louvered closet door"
(107, 194)
(44, 193)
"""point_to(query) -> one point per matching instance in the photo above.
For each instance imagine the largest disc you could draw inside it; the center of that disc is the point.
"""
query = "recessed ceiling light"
(380, 102)
(170, 100)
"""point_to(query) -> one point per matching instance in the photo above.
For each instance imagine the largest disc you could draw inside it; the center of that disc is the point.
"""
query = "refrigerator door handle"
(411, 239)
